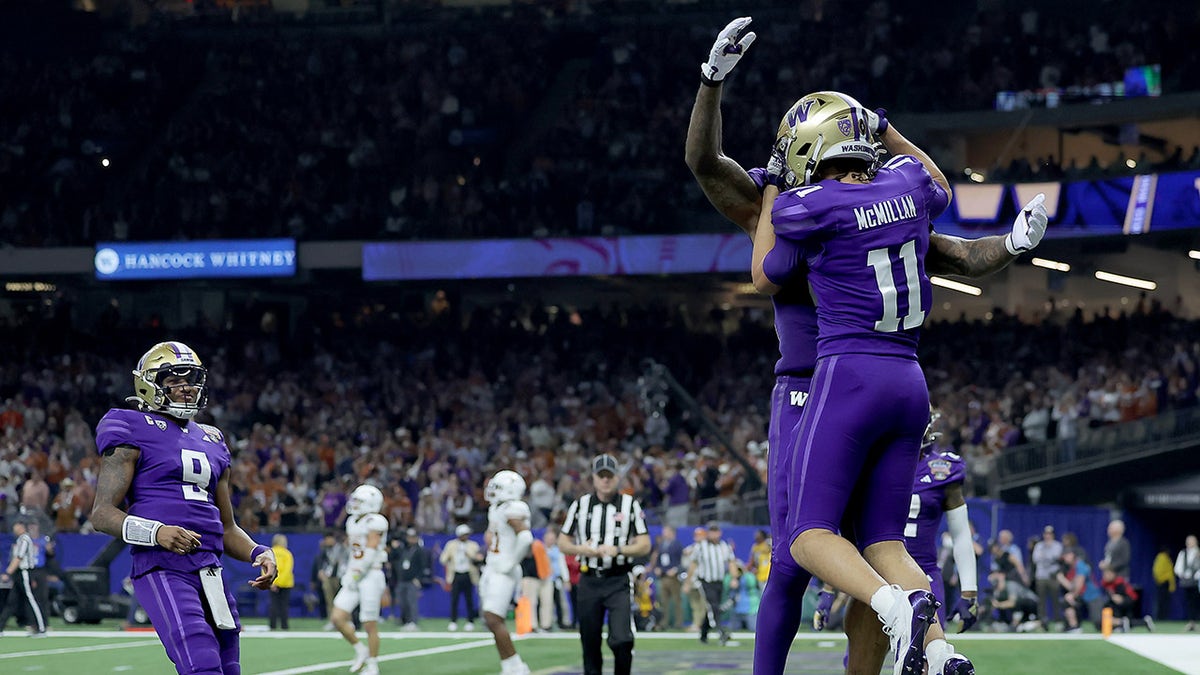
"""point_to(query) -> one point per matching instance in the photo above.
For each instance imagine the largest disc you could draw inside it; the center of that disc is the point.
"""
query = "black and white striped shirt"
(712, 560)
(596, 523)
(23, 549)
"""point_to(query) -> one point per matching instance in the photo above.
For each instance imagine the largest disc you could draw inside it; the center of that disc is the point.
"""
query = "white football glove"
(1029, 226)
(779, 173)
(731, 45)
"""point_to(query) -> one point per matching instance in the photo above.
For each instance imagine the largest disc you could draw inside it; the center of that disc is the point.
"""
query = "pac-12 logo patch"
(846, 126)
(940, 468)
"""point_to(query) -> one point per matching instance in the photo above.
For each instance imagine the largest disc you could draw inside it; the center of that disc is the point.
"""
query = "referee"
(607, 531)
(710, 562)
(20, 570)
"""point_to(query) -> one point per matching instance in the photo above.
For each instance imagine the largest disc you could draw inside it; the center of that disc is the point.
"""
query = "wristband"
(257, 551)
(140, 531)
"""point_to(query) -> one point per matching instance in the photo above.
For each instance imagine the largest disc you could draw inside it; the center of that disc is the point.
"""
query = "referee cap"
(605, 463)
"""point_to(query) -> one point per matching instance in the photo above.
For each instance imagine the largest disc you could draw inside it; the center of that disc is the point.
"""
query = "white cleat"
(905, 625)
(371, 668)
(360, 657)
(469, 626)
(452, 627)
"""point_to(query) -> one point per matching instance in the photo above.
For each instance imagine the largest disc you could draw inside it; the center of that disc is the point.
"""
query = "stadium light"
(1126, 281)
(1051, 264)
(956, 286)
(1194, 255)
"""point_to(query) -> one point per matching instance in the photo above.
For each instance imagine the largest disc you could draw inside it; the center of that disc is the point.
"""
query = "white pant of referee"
(23, 592)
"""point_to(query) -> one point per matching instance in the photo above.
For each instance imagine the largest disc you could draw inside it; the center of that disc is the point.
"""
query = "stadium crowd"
(475, 124)
(417, 403)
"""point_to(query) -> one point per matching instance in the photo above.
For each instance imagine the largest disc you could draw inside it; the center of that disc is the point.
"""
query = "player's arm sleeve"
(959, 526)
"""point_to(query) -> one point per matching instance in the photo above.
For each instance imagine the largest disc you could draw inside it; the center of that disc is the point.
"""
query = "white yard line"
(1173, 651)
(73, 650)
(390, 657)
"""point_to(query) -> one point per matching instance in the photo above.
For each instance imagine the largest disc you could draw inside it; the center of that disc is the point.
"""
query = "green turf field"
(307, 649)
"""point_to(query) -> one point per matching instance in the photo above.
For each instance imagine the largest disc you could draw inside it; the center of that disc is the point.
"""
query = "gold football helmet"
(824, 125)
(164, 360)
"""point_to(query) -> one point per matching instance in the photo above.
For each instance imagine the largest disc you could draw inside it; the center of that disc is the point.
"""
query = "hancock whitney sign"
(204, 259)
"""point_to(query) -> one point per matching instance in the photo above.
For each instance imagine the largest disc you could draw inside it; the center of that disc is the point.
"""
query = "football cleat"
(957, 664)
(906, 624)
(360, 657)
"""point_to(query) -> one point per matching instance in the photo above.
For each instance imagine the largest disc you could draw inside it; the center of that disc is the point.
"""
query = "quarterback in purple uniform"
(736, 193)
(164, 488)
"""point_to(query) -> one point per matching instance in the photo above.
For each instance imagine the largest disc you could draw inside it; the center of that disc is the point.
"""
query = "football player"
(163, 487)
(508, 542)
(737, 194)
(363, 582)
(937, 490)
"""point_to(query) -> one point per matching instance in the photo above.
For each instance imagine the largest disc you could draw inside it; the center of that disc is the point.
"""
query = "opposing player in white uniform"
(508, 543)
(363, 583)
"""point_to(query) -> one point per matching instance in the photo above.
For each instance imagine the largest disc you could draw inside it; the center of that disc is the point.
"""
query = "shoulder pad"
(117, 427)
(517, 509)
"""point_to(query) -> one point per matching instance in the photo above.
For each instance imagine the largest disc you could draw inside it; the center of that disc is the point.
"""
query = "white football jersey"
(357, 530)
(502, 551)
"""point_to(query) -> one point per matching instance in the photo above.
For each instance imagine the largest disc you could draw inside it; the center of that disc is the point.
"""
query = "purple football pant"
(779, 610)
(939, 590)
(176, 605)
(857, 447)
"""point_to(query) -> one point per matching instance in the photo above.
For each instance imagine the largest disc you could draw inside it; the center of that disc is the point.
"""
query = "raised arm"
(983, 256)
(726, 184)
(897, 144)
(764, 241)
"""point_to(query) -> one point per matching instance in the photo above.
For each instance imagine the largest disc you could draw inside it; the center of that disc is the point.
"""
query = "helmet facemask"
(166, 368)
(823, 126)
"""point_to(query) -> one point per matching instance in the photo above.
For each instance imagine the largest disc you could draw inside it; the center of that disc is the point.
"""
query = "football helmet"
(931, 436)
(365, 499)
(820, 126)
(505, 486)
(163, 360)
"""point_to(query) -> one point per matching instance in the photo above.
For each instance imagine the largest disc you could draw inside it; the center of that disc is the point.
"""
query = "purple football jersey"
(936, 470)
(864, 246)
(177, 472)
(795, 311)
